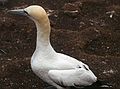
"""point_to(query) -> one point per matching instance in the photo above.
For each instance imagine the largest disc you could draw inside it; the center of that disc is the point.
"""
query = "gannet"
(57, 69)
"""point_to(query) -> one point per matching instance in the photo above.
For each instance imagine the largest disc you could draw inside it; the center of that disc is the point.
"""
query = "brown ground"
(91, 34)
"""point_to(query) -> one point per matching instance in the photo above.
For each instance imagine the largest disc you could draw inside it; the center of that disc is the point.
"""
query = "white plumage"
(57, 69)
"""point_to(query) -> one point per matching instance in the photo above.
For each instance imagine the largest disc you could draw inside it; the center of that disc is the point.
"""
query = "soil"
(88, 30)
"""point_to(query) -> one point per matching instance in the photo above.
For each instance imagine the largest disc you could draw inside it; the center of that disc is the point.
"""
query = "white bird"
(56, 69)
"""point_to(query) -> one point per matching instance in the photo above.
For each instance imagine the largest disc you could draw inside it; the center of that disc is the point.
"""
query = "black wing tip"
(97, 85)
(102, 84)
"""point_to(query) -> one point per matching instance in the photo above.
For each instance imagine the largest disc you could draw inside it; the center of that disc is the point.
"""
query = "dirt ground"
(88, 30)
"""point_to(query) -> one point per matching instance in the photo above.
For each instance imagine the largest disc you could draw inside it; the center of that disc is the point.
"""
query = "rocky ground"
(88, 30)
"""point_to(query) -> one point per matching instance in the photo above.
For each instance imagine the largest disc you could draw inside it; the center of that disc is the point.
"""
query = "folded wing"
(72, 77)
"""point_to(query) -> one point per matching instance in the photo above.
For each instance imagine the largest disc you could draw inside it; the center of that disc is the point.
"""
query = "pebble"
(108, 72)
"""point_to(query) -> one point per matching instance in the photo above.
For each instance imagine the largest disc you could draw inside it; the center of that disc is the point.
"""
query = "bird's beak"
(18, 12)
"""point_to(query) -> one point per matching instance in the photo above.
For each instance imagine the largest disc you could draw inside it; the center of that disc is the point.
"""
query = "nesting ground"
(88, 30)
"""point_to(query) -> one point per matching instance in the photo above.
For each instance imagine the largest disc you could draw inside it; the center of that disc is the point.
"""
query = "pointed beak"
(18, 12)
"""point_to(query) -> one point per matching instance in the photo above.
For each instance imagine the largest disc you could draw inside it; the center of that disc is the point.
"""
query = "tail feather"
(97, 85)
(101, 84)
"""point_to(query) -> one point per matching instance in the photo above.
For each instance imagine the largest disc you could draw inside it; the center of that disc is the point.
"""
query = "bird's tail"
(100, 84)
(96, 85)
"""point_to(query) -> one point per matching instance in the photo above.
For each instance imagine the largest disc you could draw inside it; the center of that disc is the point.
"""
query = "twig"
(3, 51)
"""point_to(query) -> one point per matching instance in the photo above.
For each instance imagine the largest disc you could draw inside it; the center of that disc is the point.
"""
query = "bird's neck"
(43, 38)
(43, 33)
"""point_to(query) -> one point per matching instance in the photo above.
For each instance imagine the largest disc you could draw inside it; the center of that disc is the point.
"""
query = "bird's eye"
(26, 12)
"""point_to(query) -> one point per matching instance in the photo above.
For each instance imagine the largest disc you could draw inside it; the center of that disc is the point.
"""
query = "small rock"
(104, 62)
(108, 72)
(9, 59)
(83, 59)
(70, 7)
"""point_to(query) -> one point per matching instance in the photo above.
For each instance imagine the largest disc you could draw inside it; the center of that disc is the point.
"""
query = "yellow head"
(34, 12)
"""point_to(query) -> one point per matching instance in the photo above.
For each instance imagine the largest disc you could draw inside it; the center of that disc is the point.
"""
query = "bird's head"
(34, 12)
